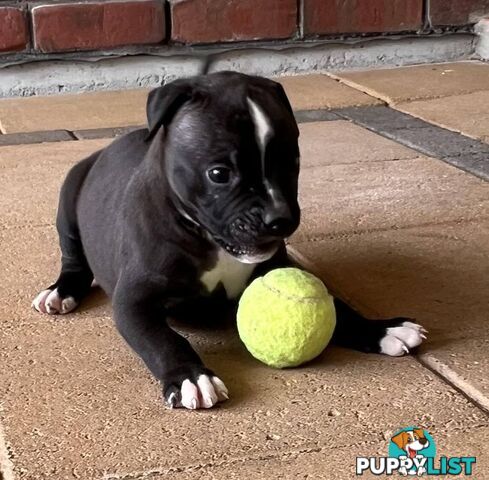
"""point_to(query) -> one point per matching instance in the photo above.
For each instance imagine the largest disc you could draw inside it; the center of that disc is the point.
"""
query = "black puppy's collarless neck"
(190, 225)
(185, 219)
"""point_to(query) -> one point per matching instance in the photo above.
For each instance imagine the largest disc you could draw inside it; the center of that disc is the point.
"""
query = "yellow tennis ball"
(286, 317)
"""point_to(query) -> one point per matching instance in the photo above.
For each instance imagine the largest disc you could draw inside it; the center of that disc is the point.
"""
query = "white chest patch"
(230, 272)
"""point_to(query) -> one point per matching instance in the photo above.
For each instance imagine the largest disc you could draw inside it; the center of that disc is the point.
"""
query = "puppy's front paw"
(51, 302)
(193, 387)
(399, 339)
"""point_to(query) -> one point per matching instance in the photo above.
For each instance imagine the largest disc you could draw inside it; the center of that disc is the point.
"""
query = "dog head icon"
(411, 441)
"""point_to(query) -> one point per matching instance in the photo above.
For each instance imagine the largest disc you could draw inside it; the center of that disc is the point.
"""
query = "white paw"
(398, 340)
(50, 302)
(207, 392)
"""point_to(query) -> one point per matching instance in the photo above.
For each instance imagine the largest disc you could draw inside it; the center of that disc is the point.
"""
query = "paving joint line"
(228, 462)
(385, 99)
(465, 388)
(357, 87)
(159, 471)
(426, 360)
(451, 147)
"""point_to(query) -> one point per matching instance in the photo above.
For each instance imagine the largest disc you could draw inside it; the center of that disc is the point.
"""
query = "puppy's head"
(231, 158)
(411, 441)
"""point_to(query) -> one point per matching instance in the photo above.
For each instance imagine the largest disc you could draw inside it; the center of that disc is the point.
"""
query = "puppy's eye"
(219, 174)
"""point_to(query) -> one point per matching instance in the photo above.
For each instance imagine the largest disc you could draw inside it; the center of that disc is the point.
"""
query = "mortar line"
(300, 18)
(427, 22)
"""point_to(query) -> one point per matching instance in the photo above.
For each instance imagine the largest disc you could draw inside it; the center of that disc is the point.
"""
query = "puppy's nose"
(423, 441)
(278, 225)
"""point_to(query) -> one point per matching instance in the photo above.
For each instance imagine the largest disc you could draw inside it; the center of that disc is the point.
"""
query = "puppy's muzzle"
(279, 223)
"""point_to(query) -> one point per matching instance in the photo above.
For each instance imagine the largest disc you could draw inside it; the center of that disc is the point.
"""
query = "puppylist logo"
(412, 451)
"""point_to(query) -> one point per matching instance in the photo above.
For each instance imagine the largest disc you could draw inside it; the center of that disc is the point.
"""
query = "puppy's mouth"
(249, 254)
(412, 453)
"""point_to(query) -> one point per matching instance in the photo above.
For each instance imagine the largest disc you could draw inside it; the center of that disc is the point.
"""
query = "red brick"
(207, 21)
(13, 29)
(361, 16)
(97, 25)
(457, 12)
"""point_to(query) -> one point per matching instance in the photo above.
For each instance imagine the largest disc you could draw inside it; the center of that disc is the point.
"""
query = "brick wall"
(42, 27)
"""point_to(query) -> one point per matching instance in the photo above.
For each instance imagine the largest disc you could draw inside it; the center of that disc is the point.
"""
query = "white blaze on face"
(263, 129)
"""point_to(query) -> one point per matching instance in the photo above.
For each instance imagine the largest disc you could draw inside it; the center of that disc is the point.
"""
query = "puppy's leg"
(141, 319)
(394, 337)
(73, 282)
(76, 277)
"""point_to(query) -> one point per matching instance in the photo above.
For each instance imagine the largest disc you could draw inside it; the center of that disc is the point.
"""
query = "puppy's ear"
(283, 96)
(401, 440)
(419, 432)
(277, 90)
(164, 102)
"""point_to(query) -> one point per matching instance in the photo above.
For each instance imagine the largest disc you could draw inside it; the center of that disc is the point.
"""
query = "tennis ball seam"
(292, 297)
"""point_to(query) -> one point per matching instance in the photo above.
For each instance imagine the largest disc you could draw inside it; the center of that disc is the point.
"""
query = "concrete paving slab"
(314, 92)
(125, 108)
(420, 81)
(339, 142)
(271, 414)
(322, 143)
(73, 112)
(467, 114)
(76, 403)
(81, 405)
(31, 176)
(437, 274)
(340, 199)
(33, 264)
(323, 463)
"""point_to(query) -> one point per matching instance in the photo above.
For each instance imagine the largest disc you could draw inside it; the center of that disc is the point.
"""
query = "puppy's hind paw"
(50, 302)
(194, 390)
(400, 339)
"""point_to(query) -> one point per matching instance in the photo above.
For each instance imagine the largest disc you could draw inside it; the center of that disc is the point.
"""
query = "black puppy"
(190, 209)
